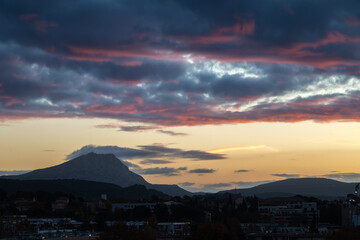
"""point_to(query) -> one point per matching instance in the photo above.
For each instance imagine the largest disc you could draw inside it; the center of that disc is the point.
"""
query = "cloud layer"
(175, 63)
(148, 151)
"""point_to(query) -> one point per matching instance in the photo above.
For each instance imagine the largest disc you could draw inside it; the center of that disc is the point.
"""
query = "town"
(44, 215)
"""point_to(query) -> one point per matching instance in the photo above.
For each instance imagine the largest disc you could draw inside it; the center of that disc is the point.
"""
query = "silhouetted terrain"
(316, 187)
(80, 188)
(104, 168)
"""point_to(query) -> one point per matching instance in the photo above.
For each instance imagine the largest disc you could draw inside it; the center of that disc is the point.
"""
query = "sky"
(209, 95)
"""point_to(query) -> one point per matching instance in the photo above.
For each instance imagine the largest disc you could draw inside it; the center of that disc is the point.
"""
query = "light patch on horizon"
(250, 148)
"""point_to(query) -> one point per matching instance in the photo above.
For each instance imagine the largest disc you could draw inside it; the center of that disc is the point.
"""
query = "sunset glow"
(205, 95)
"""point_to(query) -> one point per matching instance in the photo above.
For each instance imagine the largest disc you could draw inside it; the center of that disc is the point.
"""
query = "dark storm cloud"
(174, 63)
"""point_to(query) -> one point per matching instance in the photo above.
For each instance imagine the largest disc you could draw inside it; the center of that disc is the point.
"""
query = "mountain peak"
(91, 167)
(96, 167)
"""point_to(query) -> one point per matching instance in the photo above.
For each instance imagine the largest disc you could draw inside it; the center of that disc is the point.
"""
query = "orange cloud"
(251, 148)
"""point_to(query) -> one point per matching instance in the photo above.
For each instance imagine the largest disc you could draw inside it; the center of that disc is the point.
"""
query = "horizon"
(206, 95)
(192, 190)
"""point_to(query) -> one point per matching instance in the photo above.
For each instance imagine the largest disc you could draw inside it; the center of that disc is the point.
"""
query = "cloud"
(120, 152)
(187, 184)
(197, 155)
(347, 177)
(155, 161)
(241, 171)
(131, 165)
(202, 170)
(146, 151)
(171, 133)
(285, 175)
(226, 149)
(249, 184)
(136, 128)
(243, 64)
(218, 185)
(14, 172)
(162, 171)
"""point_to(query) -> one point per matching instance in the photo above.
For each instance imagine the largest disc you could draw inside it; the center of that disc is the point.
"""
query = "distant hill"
(80, 188)
(104, 168)
(317, 187)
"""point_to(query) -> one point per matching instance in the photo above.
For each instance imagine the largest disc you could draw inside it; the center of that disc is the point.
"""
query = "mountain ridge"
(316, 187)
(99, 168)
(80, 188)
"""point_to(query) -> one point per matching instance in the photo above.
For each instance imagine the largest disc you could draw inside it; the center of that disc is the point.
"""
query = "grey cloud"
(200, 155)
(160, 149)
(218, 185)
(179, 153)
(149, 154)
(155, 161)
(202, 170)
(136, 128)
(14, 172)
(131, 165)
(172, 133)
(241, 171)
(163, 171)
(125, 153)
(186, 184)
(75, 65)
(348, 177)
(249, 184)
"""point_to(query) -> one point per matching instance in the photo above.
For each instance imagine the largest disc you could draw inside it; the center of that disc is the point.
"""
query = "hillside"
(80, 188)
(104, 168)
(317, 187)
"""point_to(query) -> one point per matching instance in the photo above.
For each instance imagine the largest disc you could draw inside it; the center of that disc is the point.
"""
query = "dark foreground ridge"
(80, 188)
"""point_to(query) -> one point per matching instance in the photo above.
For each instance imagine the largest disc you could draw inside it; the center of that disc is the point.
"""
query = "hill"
(80, 188)
(316, 187)
(105, 168)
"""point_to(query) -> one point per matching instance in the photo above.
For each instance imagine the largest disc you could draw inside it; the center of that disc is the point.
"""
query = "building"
(287, 210)
(130, 206)
(60, 203)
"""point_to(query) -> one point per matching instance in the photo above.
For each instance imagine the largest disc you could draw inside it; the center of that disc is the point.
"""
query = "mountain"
(99, 168)
(80, 188)
(317, 187)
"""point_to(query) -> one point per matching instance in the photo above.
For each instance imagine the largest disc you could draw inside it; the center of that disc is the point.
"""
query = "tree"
(2, 195)
(162, 213)
(123, 232)
(350, 233)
